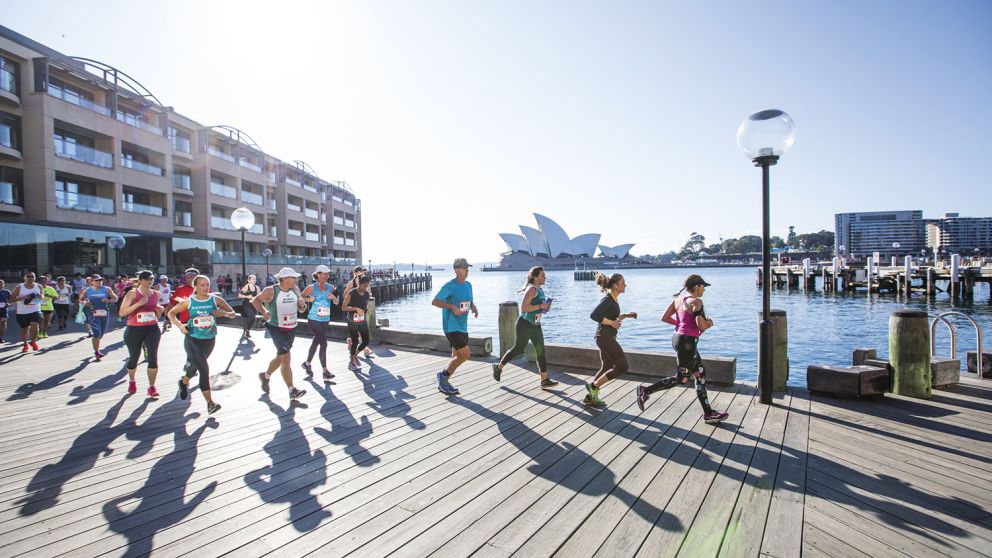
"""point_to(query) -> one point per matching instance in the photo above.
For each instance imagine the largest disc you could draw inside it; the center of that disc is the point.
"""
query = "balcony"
(152, 210)
(222, 223)
(223, 190)
(6, 136)
(9, 194)
(310, 188)
(139, 166)
(138, 122)
(182, 219)
(83, 202)
(7, 81)
(250, 197)
(181, 181)
(338, 221)
(182, 145)
(273, 232)
(292, 182)
(271, 205)
(220, 154)
(257, 228)
(70, 97)
(311, 213)
(84, 154)
(294, 232)
(249, 165)
(271, 176)
(312, 236)
(349, 224)
(293, 207)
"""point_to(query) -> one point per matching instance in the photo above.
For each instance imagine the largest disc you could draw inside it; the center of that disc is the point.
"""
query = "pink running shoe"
(152, 392)
(132, 387)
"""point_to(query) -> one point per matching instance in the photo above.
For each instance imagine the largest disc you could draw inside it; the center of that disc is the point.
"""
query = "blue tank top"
(99, 300)
(321, 309)
(202, 324)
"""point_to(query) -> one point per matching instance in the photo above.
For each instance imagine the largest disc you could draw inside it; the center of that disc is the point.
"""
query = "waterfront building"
(864, 233)
(550, 246)
(961, 235)
(86, 152)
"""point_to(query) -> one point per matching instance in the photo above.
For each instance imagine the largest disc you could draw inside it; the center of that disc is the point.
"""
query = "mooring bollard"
(780, 349)
(508, 313)
(370, 319)
(909, 353)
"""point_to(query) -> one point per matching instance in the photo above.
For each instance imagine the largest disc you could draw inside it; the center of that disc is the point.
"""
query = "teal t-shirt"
(459, 294)
(539, 298)
(320, 311)
(202, 324)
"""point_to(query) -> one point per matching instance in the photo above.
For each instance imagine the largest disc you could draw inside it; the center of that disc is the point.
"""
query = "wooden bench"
(851, 381)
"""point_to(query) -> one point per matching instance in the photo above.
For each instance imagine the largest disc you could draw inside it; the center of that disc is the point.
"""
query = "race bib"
(203, 322)
(146, 317)
(323, 311)
(537, 319)
(3, 305)
(358, 318)
(99, 313)
(62, 300)
(465, 306)
(288, 321)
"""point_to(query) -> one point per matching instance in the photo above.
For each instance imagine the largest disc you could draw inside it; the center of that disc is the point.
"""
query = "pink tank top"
(145, 314)
(686, 319)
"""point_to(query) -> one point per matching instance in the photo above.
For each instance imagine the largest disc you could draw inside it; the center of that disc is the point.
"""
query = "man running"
(4, 305)
(164, 298)
(455, 301)
(27, 295)
(279, 305)
(78, 284)
(62, 302)
(48, 296)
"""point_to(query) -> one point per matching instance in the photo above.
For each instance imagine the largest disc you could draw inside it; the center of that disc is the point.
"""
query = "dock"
(378, 463)
(961, 282)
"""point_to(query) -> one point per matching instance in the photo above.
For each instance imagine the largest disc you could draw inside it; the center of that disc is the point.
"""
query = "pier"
(389, 289)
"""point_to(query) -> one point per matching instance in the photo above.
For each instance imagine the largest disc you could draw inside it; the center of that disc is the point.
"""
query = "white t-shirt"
(22, 306)
(78, 285)
(164, 294)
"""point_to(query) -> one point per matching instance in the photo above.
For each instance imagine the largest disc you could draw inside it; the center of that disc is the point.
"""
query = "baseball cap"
(322, 269)
(166, 277)
(286, 272)
(96, 277)
(693, 280)
(461, 262)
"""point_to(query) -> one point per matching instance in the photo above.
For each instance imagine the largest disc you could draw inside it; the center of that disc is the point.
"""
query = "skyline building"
(864, 233)
(550, 240)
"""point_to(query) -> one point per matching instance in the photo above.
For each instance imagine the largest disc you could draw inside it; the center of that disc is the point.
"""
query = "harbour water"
(823, 328)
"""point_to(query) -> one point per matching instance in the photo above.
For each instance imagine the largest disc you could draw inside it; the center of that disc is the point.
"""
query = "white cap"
(286, 272)
(322, 269)
(163, 277)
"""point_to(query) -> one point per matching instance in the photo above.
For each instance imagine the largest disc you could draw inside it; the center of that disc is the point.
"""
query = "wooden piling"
(508, 313)
(909, 353)
(370, 319)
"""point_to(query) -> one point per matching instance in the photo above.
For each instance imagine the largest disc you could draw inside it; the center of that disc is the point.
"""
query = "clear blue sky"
(454, 119)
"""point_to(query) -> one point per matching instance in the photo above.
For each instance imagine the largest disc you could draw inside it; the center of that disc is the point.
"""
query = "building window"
(11, 181)
(10, 72)
(10, 131)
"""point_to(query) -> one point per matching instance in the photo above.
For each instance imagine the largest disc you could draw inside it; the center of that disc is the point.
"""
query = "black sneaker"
(496, 372)
(265, 382)
(183, 389)
(295, 394)
(328, 375)
(308, 369)
(212, 407)
(548, 383)
(642, 397)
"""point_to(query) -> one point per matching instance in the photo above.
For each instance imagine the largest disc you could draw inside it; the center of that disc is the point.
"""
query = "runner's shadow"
(345, 430)
(106, 383)
(305, 510)
(388, 396)
(25, 390)
(45, 487)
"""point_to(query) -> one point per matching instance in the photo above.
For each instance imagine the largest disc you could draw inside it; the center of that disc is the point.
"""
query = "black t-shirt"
(607, 308)
(358, 300)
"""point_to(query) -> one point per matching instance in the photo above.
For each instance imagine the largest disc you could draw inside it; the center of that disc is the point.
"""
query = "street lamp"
(267, 253)
(116, 243)
(764, 137)
(243, 219)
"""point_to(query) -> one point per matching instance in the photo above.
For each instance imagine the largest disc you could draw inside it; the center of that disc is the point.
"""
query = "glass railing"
(75, 99)
(294, 232)
(349, 242)
(181, 181)
(272, 204)
(312, 237)
(312, 213)
(220, 154)
(137, 122)
(6, 136)
(83, 202)
(83, 153)
(339, 221)
(7, 81)
(222, 223)
(257, 228)
(292, 182)
(339, 240)
(349, 224)
(249, 165)
(310, 188)
(251, 197)
(182, 144)
(223, 190)
(8, 194)
(273, 232)
(271, 175)
(144, 209)
(139, 166)
(293, 207)
(182, 219)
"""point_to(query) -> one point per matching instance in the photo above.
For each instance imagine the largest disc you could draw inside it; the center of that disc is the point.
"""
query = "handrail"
(978, 331)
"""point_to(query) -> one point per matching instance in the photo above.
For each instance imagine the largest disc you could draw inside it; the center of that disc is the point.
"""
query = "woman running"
(164, 298)
(690, 321)
(248, 314)
(356, 303)
(48, 296)
(200, 332)
(533, 305)
(281, 303)
(607, 315)
(357, 273)
(98, 297)
(321, 296)
(142, 308)
(62, 302)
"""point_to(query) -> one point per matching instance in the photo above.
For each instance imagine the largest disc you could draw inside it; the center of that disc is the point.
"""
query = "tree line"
(696, 246)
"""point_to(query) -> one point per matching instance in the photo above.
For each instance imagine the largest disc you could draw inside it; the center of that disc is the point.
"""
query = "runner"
(62, 302)
(164, 298)
(4, 306)
(533, 305)
(48, 296)
(607, 315)
(690, 321)
(281, 303)
(248, 292)
(87, 310)
(78, 284)
(27, 295)
(321, 294)
(356, 274)
(455, 301)
(98, 297)
(200, 332)
(142, 309)
(356, 303)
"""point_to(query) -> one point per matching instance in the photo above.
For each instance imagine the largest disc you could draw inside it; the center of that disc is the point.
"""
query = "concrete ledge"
(719, 370)
(945, 371)
(850, 381)
(986, 363)
(432, 341)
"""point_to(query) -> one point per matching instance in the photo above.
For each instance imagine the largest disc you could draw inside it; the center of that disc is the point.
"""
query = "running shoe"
(444, 386)
(132, 387)
(548, 383)
(715, 417)
(265, 382)
(308, 369)
(183, 389)
(352, 366)
(152, 392)
(25, 348)
(328, 375)
(42, 335)
(89, 334)
(212, 407)
(496, 372)
(97, 356)
(642, 397)
(369, 354)
(34, 345)
(295, 394)
(590, 401)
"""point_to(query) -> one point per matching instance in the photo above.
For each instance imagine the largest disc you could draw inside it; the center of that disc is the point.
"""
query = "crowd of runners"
(149, 307)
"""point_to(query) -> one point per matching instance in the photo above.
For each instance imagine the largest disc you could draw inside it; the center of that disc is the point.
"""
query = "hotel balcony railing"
(182, 219)
(139, 166)
(249, 165)
(255, 258)
(6, 136)
(257, 228)
(251, 197)
(271, 175)
(84, 154)
(182, 144)
(294, 232)
(312, 236)
(144, 209)
(311, 213)
(223, 190)
(273, 232)
(310, 188)
(293, 207)
(349, 224)
(349, 242)
(75, 99)
(8, 194)
(220, 154)
(84, 202)
(138, 122)
(222, 223)
(7, 81)
(339, 221)
(292, 182)
(181, 181)
(339, 240)
(271, 205)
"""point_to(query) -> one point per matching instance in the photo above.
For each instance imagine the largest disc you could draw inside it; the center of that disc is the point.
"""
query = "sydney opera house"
(548, 245)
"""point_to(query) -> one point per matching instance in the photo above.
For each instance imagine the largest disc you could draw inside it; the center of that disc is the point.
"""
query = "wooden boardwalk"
(379, 463)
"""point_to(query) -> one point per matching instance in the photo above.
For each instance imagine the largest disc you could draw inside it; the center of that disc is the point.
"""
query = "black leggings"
(197, 353)
(354, 330)
(62, 312)
(614, 362)
(319, 341)
(247, 315)
(527, 331)
(690, 365)
(135, 337)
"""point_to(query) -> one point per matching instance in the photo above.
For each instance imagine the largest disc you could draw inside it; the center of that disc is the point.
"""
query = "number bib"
(146, 317)
(203, 322)
(99, 313)
(3, 305)
(465, 306)
(287, 321)
(323, 311)
(62, 300)
(358, 318)
(537, 319)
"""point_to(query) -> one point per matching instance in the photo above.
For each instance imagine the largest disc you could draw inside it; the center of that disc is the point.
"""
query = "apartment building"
(890, 233)
(961, 235)
(86, 153)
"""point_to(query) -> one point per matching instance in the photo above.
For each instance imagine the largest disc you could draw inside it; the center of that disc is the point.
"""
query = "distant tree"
(729, 246)
(693, 246)
(776, 242)
(714, 248)
(748, 244)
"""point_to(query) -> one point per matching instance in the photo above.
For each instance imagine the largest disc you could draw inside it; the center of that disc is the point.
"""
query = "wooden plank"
(817, 542)
(785, 511)
(851, 537)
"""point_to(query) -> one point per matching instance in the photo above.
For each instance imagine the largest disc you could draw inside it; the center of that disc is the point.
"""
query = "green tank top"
(202, 324)
(535, 316)
(282, 308)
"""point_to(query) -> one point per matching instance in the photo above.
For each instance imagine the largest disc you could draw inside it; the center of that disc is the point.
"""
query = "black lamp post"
(116, 243)
(243, 219)
(764, 136)
(267, 253)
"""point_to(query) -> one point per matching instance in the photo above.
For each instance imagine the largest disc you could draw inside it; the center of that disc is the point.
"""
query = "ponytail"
(531, 277)
(606, 283)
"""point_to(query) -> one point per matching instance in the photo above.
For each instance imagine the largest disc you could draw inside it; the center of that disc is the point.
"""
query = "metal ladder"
(954, 338)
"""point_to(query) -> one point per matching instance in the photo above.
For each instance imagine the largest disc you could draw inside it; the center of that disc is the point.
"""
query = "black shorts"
(24, 320)
(458, 339)
(75, 298)
(281, 338)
